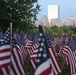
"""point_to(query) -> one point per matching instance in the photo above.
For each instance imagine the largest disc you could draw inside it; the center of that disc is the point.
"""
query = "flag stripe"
(42, 69)
(66, 51)
(55, 64)
(18, 62)
(33, 64)
(4, 56)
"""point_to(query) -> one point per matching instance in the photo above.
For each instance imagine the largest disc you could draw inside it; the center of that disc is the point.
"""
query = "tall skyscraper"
(53, 12)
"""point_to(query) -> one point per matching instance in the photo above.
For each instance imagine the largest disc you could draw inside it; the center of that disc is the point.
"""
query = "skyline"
(67, 8)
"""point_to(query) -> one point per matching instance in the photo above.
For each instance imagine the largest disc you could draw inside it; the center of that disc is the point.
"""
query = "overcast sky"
(67, 8)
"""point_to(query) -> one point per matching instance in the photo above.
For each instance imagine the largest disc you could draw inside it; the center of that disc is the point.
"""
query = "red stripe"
(54, 63)
(24, 52)
(4, 58)
(7, 70)
(4, 65)
(13, 69)
(16, 62)
(20, 58)
(4, 50)
(71, 57)
(48, 71)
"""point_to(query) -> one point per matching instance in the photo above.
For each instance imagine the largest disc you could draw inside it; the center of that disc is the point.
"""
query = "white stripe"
(19, 63)
(34, 55)
(14, 65)
(4, 47)
(4, 71)
(36, 50)
(54, 60)
(70, 56)
(19, 47)
(4, 61)
(20, 51)
(42, 68)
(4, 54)
(53, 66)
(33, 64)
(73, 74)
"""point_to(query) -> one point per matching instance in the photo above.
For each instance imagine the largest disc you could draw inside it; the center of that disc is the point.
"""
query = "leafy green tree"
(49, 30)
(22, 13)
(74, 29)
(66, 29)
(60, 30)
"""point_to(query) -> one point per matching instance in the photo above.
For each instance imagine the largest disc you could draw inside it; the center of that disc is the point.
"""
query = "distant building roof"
(71, 17)
(44, 20)
(69, 22)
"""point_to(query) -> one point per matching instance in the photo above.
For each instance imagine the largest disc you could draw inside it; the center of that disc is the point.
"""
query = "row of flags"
(69, 53)
(11, 62)
(41, 49)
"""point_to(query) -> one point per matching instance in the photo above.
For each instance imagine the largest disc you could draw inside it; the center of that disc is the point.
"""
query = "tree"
(20, 12)
(74, 29)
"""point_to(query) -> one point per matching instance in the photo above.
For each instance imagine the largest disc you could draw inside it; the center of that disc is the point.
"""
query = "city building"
(44, 20)
(75, 23)
(70, 21)
(55, 22)
(71, 17)
(53, 12)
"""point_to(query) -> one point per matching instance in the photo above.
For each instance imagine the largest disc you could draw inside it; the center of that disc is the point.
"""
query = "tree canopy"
(21, 13)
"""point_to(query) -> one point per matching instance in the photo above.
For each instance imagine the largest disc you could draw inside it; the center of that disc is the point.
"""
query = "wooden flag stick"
(10, 47)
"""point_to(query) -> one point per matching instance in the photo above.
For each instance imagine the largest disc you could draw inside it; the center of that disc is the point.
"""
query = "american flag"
(60, 42)
(66, 41)
(53, 59)
(70, 54)
(43, 66)
(24, 52)
(33, 55)
(29, 40)
(5, 50)
(73, 43)
(16, 67)
(32, 49)
(17, 37)
(35, 38)
(54, 40)
(23, 46)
